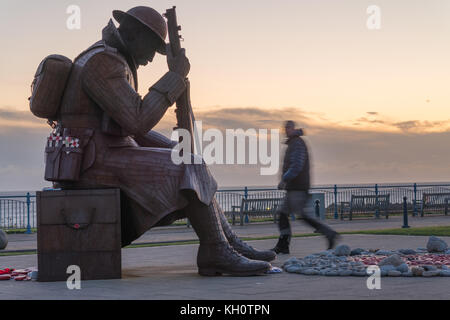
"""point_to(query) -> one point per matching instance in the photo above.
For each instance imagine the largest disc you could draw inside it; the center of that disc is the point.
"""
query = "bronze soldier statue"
(112, 124)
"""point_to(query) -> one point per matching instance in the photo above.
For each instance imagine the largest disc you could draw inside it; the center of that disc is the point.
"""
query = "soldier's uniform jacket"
(101, 104)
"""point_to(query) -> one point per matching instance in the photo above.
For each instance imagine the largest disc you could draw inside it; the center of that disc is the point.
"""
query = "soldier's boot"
(331, 235)
(239, 245)
(215, 255)
(282, 245)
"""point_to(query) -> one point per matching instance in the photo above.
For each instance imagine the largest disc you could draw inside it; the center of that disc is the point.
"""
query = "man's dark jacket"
(296, 163)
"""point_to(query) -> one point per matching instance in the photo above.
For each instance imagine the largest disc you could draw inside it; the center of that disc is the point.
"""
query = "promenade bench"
(367, 204)
(255, 207)
(344, 208)
(435, 201)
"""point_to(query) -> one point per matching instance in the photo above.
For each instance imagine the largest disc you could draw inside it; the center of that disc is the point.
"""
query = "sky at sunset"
(374, 103)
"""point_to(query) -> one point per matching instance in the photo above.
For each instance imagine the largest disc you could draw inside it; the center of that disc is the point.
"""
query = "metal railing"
(19, 211)
(337, 196)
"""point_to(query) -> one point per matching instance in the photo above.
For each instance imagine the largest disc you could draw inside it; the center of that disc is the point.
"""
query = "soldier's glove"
(282, 185)
(179, 63)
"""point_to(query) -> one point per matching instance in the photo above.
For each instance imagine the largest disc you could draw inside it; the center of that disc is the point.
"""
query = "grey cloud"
(363, 119)
(406, 125)
(223, 118)
(8, 113)
(416, 124)
(20, 118)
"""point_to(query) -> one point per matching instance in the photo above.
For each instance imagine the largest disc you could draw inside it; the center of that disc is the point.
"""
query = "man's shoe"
(282, 245)
(332, 236)
(279, 250)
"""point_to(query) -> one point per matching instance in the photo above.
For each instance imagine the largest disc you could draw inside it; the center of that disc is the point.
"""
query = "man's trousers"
(295, 203)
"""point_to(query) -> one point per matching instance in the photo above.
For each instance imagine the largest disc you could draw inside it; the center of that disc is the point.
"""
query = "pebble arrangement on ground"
(342, 261)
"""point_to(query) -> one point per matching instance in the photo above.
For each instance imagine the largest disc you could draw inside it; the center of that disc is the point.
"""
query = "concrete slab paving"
(170, 272)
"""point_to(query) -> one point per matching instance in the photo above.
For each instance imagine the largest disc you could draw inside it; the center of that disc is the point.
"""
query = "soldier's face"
(144, 48)
(141, 42)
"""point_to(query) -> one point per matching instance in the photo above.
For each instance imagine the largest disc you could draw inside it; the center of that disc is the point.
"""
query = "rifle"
(184, 113)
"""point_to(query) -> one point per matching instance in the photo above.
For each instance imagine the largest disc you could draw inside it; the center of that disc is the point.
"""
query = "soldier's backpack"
(48, 86)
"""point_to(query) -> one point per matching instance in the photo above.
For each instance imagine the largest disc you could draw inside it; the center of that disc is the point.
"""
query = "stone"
(345, 273)
(290, 261)
(417, 271)
(310, 272)
(332, 273)
(447, 252)
(293, 268)
(394, 273)
(356, 252)
(403, 268)
(429, 268)
(407, 251)
(436, 245)
(394, 260)
(444, 267)
(383, 253)
(422, 249)
(359, 273)
(388, 267)
(444, 273)
(342, 250)
(3, 239)
(431, 273)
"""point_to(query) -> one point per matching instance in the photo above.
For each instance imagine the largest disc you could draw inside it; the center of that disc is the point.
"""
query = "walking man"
(296, 181)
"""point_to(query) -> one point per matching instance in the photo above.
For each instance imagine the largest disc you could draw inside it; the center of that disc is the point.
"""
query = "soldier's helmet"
(150, 18)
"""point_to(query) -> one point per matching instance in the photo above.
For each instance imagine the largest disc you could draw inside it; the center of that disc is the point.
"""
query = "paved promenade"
(253, 230)
(169, 272)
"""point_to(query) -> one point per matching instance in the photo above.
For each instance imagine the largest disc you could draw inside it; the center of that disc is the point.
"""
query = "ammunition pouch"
(64, 153)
